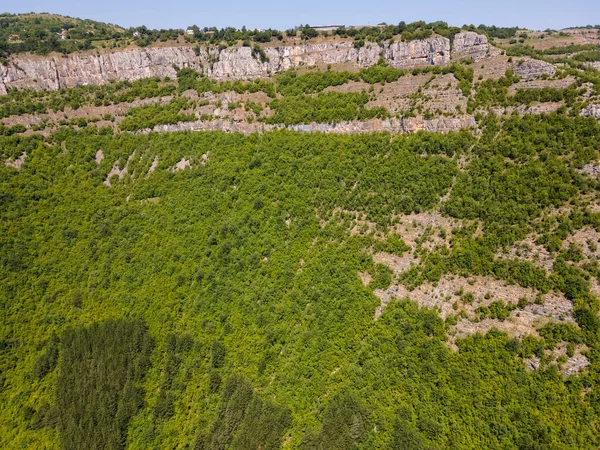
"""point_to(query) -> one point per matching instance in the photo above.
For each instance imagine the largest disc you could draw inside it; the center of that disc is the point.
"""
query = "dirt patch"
(119, 172)
(490, 68)
(573, 36)
(150, 200)
(397, 264)
(153, 166)
(541, 84)
(115, 171)
(396, 96)
(567, 365)
(361, 224)
(357, 222)
(528, 250)
(365, 277)
(16, 163)
(52, 119)
(427, 228)
(595, 287)
(591, 169)
(181, 165)
(99, 157)
(205, 158)
(351, 86)
(461, 297)
(443, 96)
(587, 239)
(453, 289)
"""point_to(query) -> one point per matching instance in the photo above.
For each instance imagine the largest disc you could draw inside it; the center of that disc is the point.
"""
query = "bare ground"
(16, 163)
(572, 366)
(447, 297)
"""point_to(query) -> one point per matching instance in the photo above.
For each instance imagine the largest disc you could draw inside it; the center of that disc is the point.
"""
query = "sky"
(283, 14)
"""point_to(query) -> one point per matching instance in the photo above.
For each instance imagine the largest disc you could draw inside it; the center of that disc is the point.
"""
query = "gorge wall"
(65, 71)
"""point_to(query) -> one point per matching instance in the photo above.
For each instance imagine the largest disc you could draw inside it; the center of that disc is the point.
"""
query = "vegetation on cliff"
(220, 306)
(215, 290)
(45, 33)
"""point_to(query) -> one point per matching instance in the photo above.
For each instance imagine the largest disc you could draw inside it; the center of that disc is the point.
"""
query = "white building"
(326, 27)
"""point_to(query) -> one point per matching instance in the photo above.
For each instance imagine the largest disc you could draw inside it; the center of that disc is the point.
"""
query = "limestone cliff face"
(243, 63)
(435, 51)
(470, 45)
(55, 72)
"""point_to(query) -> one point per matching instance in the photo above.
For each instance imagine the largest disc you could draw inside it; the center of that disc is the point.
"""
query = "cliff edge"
(66, 71)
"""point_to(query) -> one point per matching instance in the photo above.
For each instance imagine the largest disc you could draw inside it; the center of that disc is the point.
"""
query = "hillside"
(44, 33)
(341, 241)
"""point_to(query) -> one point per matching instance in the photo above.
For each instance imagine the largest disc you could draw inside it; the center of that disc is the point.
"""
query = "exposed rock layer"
(470, 45)
(533, 68)
(65, 71)
(404, 125)
(594, 64)
(591, 111)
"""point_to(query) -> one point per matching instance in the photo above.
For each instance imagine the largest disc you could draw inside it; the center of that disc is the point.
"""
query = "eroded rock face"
(243, 63)
(65, 71)
(57, 72)
(434, 51)
(2, 87)
(470, 45)
(533, 68)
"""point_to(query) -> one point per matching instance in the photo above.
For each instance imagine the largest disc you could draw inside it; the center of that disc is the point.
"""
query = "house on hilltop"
(325, 27)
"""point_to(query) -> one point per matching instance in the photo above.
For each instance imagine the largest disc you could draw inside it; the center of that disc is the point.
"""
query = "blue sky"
(282, 14)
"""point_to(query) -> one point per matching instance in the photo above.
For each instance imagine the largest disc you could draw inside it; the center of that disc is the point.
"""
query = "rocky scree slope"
(56, 72)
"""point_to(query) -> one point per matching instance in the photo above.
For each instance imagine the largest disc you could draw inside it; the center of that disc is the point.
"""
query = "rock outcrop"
(435, 51)
(244, 63)
(53, 73)
(533, 68)
(591, 111)
(403, 125)
(470, 45)
(66, 71)
(594, 64)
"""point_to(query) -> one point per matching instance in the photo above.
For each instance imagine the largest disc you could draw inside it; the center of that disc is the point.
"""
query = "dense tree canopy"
(220, 306)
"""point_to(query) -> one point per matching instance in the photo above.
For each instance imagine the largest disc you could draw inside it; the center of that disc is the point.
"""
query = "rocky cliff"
(55, 72)
(394, 125)
(470, 45)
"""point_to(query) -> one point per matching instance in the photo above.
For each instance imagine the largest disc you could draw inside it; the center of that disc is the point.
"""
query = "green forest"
(214, 290)
(220, 307)
(45, 33)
